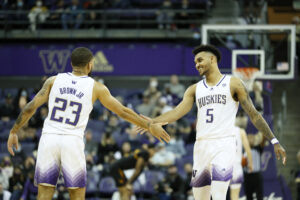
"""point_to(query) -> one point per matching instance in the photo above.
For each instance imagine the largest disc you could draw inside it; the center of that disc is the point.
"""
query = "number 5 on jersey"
(76, 111)
(210, 116)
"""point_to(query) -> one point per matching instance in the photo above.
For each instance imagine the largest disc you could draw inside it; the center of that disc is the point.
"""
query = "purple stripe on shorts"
(203, 179)
(76, 180)
(238, 180)
(221, 174)
(48, 176)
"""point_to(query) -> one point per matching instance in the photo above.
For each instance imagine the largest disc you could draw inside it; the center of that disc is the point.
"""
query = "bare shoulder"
(235, 83)
(191, 90)
(50, 80)
(99, 90)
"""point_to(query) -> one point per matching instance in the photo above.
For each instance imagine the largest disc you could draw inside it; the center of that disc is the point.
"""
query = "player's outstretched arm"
(40, 98)
(239, 91)
(247, 148)
(103, 95)
(181, 109)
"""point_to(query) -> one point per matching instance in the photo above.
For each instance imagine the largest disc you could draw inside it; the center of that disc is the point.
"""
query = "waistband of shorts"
(213, 138)
(62, 134)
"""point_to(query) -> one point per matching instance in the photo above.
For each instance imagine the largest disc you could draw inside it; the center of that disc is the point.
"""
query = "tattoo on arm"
(256, 118)
(31, 107)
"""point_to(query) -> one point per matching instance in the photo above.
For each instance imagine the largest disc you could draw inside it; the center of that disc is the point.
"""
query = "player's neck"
(77, 72)
(213, 77)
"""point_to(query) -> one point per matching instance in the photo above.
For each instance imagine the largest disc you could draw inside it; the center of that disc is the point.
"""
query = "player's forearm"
(23, 117)
(170, 116)
(261, 124)
(132, 117)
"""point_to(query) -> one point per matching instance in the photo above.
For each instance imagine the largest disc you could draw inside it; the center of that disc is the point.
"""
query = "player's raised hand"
(12, 142)
(157, 131)
(280, 152)
(138, 129)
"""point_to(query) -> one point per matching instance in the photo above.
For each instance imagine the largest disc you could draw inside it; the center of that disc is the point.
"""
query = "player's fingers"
(143, 131)
(283, 155)
(10, 149)
(166, 137)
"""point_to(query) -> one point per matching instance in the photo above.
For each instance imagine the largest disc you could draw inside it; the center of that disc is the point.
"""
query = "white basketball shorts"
(61, 152)
(213, 160)
(238, 176)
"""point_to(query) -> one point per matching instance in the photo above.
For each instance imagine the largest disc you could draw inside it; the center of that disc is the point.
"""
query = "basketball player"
(136, 161)
(217, 98)
(237, 175)
(70, 98)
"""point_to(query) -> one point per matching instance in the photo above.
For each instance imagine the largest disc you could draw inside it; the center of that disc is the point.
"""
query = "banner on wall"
(110, 59)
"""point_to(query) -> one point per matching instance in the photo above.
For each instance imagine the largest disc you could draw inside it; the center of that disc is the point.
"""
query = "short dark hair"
(81, 56)
(208, 48)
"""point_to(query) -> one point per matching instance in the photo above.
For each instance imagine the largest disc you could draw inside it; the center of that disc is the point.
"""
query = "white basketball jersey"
(70, 104)
(239, 144)
(216, 109)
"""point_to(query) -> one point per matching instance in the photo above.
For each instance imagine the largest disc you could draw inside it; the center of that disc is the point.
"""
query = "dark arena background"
(143, 54)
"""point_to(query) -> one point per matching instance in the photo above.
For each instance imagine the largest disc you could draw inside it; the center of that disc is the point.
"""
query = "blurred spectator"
(176, 144)
(19, 157)
(106, 148)
(16, 183)
(175, 87)
(145, 108)
(90, 144)
(152, 91)
(113, 124)
(120, 4)
(93, 177)
(163, 157)
(161, 108)
(58, 9)
(38, 13)
(7, 170)
(30, 190)
(7, 109)
(37, 120)
(184, 14)
(19, 7)
(133, 138)
(188, 169)
(258, 98)
(29, 165)
(297, 180)
(126, 149)
(4, 194)
(72, 16)
(172, 187)
(165, 15)
(21, 100)
(254, 180)
(93, 6)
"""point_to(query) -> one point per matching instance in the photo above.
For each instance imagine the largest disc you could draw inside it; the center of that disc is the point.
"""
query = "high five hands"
(154, 129)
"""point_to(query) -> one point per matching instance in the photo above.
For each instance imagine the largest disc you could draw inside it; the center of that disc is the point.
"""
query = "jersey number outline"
(210, 116)
(63, 108)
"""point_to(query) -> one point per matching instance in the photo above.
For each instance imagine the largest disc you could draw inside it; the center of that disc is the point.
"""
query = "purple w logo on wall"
(54, 61)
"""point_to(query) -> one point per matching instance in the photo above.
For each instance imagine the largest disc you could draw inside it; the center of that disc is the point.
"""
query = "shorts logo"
(73, 82)
(224, 84)
(194, 173)
(54, 61)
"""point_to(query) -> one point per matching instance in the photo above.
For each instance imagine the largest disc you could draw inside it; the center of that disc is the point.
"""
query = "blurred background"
(143, 53)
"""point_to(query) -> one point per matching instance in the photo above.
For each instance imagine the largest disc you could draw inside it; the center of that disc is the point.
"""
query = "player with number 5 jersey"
(217, 97)
(70, 98)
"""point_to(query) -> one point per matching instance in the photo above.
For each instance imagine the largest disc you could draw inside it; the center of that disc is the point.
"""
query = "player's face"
(202, 61)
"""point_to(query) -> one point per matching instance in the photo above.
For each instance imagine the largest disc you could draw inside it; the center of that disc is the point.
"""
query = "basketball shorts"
(118, 175)
(213, 160)
(237, 176)
(61, 153)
